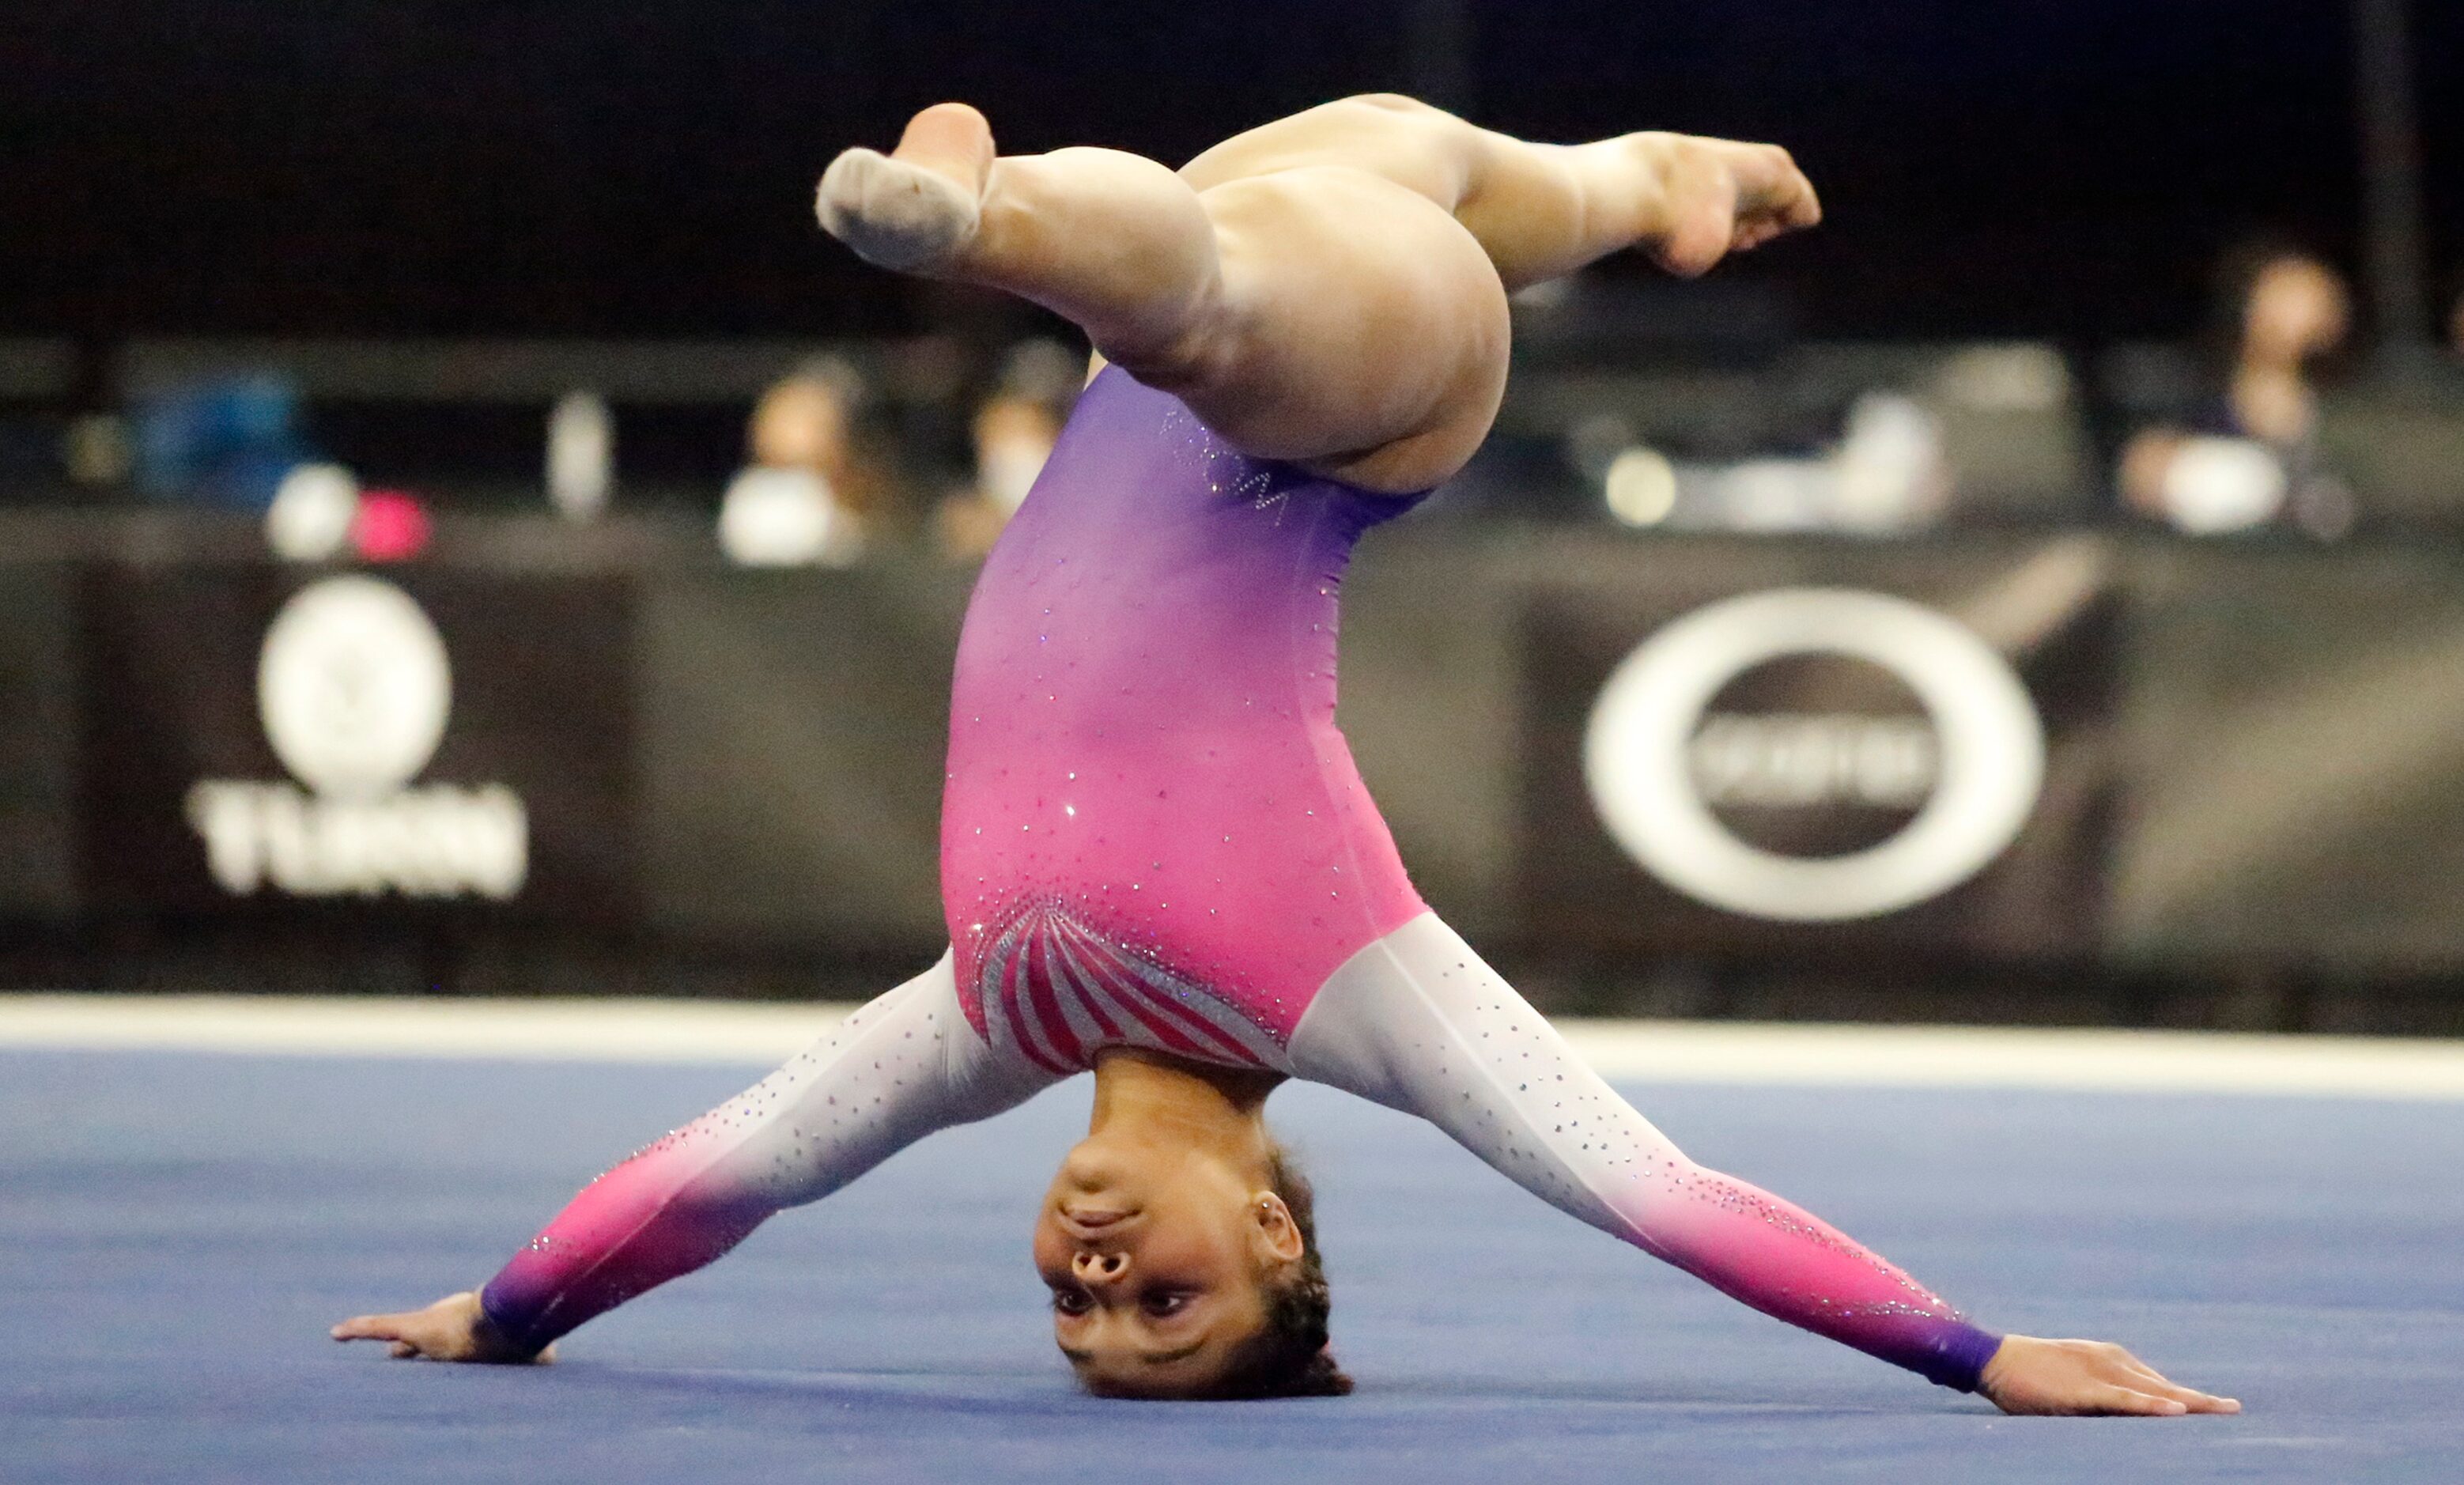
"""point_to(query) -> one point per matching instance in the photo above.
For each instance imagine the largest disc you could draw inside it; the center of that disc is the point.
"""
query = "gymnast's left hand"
(453, 1329)
(2077, 1377)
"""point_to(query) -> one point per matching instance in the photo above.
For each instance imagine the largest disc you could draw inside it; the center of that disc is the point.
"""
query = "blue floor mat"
(176, 1233)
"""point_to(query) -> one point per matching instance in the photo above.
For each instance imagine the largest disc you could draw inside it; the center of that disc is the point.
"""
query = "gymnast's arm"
(898, 1069)
(1419, 1023)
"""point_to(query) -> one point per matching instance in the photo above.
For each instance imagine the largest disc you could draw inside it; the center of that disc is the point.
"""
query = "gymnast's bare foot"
(453, 1329)
(2075, 1378)
(917, 208)
(1719, 197)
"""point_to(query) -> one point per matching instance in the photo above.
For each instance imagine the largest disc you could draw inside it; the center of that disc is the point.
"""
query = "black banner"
(2135, 755)
(415, 745)
(1822, 753)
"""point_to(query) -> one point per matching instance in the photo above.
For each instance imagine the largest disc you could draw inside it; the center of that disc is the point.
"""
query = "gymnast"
(1157, 861)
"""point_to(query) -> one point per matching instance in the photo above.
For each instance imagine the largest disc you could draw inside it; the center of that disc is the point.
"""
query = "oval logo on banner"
(1954, 781)
(354, 688)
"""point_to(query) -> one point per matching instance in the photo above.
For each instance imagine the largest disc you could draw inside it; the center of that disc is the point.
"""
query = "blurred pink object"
(391, 527)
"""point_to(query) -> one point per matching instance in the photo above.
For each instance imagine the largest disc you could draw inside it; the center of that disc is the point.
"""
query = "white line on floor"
(1719, 1051)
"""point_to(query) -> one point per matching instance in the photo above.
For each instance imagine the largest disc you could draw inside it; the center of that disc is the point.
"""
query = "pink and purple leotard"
(1152, 831)
(1153, 836)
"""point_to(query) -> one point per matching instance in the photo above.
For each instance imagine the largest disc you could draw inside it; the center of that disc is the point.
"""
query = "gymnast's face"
(1157, 1256)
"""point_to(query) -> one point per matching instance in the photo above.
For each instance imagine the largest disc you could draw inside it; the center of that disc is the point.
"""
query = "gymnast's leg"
(1326, 290)
(1325, 315)
(1541, 211)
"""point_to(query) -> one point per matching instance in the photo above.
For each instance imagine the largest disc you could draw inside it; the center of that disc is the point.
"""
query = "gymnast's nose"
(1093, 1269)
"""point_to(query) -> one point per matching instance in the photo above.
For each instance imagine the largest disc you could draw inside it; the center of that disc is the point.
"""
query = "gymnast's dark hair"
(1290, 1357)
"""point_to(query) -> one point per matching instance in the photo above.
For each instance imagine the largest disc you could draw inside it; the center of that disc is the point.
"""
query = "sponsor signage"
(1663, 757)
(355, 689)
(404, 744)
(1823, 765)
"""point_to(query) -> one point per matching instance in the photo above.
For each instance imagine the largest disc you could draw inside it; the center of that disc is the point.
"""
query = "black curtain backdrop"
(2064, 167)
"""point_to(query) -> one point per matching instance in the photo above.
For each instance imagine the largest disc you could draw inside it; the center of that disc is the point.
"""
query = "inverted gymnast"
(1157, 861)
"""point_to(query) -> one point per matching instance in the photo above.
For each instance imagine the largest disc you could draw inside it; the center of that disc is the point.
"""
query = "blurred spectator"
(1013, 434)
(805, 497)
(312, 513)
(2250, 458)
(1884, 475)
(224, 443)
(581, 455)
(96, 450)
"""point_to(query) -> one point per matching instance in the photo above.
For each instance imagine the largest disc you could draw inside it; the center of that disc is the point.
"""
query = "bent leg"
(1113, 242)
(1328, 315)
(896, 1070)
(1361, 331)
(1540, 211)
(1416, 1022)
(1325, 288)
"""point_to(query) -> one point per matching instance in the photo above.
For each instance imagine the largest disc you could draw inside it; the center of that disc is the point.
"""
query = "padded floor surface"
(177, 1229)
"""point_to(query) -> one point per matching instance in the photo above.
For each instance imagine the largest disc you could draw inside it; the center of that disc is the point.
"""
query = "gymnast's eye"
(1163, 1304)
(1072, 1301)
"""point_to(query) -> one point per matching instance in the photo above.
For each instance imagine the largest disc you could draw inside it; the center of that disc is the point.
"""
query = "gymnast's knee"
(1392, 104)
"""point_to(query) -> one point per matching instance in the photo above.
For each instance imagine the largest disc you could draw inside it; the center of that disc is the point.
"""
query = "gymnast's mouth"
(1092, 1222)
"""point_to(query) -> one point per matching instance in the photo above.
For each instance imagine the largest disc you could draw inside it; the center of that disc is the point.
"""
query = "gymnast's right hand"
(453, 1329)
(2073, 1378)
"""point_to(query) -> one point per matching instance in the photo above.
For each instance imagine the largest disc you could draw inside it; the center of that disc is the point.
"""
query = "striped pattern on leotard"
(1057, 991)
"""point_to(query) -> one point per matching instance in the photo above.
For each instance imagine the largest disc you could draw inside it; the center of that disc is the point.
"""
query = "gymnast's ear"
(1277, 1238)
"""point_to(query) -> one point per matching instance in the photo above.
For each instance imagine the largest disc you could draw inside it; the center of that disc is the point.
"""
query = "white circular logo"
(353, 687)
(1635, 753)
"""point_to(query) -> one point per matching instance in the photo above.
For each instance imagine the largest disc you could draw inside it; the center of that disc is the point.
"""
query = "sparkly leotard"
(1152, 831)
(1152, 835)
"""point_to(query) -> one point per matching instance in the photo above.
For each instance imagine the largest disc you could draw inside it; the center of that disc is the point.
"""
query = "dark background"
(2047, 167)
(2255, 817)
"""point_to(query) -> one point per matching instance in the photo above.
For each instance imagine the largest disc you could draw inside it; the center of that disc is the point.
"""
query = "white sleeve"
(898, 1069)
(1417, 1022)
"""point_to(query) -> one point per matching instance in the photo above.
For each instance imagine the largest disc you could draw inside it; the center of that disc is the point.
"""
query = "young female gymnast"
(1157, 861)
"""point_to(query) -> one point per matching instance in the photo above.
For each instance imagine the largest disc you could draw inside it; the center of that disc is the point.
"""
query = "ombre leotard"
(1153, 836)
(1153, 832)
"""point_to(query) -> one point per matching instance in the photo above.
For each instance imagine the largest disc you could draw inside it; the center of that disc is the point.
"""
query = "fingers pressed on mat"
(2149, 1380)
(2130, 1401)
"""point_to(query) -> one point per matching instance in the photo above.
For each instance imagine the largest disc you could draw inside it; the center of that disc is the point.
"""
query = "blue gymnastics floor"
(177, 1231)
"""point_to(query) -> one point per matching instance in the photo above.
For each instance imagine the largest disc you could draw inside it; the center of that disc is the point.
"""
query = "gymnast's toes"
(896, 214)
